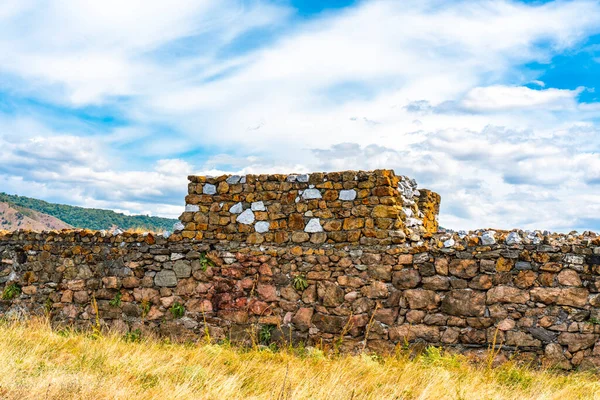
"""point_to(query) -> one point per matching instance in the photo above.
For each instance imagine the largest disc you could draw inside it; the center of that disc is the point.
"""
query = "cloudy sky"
(493, 104)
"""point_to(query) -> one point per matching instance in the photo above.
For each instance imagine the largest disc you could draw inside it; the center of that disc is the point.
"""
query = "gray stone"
(261, 226)
(347, 195)
(166, 277)
(313, 225)
(258, 206)
(209, 189)
(233, 179)
(302, 178)
(542, 334)
(192, 208)
(513, 238)
(488, 238)
(449, 243)
(573, 259)
(182, 269)
(523, 265)
(309, 194)
(534, 238)
(243, 179)
(236, 208)
(291, 178)
(246, 218)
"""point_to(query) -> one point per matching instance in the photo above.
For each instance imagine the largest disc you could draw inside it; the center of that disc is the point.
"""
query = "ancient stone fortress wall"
(527, 295)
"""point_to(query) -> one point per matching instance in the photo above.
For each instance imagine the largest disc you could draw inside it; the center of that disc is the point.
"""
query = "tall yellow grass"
(39, 363)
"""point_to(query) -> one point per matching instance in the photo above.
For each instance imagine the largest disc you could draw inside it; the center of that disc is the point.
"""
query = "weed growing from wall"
(11, 291)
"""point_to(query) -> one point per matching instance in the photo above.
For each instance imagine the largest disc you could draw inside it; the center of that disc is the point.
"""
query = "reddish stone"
(258, 307)
(302, 318)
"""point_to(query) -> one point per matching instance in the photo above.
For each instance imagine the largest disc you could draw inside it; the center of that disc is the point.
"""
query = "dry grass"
(38, 363)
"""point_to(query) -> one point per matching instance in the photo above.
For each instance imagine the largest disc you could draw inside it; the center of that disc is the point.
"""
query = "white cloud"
(431, 88)
(506, 98)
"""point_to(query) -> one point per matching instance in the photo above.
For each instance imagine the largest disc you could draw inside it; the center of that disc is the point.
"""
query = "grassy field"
(38, 363)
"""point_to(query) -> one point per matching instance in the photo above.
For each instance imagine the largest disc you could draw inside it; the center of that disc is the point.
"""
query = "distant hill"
(13, 217)
(70, 216)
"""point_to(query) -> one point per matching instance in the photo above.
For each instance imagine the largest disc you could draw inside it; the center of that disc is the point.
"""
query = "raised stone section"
(366, 207)
(533, 296)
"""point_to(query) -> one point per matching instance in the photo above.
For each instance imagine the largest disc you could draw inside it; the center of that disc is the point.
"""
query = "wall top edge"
(443, 240)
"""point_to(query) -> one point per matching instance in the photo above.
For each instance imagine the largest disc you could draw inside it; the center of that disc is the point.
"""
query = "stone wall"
(375, 207)
(532, 296)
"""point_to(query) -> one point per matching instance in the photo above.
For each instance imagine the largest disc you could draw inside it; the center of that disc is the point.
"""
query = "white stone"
(209, 189)
(449, 243)
(233, 179)
(311, 194)
(513, 238)
(347, 195)
(413, 222)
(178, 226)
(302, 178)
(236, 208)
(291, 178)
(408, 212)
(166, 234)
(534, 238)
(192, 208)
(297, 199)
(228, 257)
(243, 179)
(488, 238)
(261, 226)
(177, 256)
(311, 186)
(258, 206)
(246, 218)
(314, 225)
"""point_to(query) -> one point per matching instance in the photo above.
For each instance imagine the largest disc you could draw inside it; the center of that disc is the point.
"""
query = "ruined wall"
(534, 296)
(375, 207)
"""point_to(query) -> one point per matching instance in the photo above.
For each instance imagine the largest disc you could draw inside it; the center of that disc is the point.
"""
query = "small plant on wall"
(300, 282)
(11, 291)
(116, 301)
(205, 262)
(178, 310)
(265, 333)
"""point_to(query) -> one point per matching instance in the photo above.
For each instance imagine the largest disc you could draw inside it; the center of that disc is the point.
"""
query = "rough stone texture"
(165, 278)
(361, 207)
(538, 294)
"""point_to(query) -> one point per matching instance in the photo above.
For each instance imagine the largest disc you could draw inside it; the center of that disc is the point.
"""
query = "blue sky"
(493, 104)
